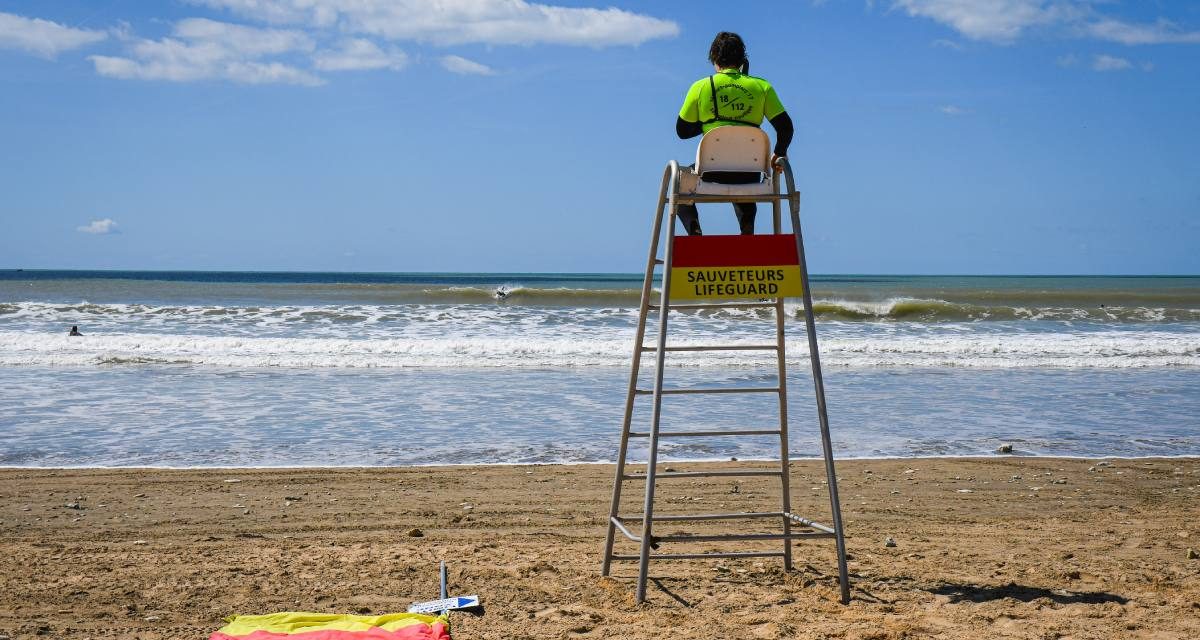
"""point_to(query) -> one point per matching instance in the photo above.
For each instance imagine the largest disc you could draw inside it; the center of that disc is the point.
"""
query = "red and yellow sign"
(735, 267)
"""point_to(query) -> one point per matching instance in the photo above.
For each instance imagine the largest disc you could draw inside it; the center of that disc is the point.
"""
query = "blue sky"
(933, 136)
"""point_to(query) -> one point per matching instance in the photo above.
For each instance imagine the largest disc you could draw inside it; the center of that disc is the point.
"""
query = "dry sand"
(985, 548)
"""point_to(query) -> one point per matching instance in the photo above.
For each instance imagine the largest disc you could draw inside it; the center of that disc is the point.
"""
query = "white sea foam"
(519, 302)
(609, 347)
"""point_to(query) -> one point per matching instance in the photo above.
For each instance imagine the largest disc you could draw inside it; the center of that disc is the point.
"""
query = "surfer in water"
(74, 331)
(501, 293)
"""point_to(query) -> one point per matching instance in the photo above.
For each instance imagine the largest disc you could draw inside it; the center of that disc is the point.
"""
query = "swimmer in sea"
(501, 294)
(74, 331)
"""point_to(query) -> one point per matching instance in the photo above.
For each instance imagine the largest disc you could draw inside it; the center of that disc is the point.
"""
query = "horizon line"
(577, 273)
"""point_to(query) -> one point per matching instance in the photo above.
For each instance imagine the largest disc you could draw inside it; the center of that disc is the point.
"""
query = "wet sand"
(984, 548)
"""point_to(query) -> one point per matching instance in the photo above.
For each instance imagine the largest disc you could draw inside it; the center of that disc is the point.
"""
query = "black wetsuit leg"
(690, 218)
(745, 212)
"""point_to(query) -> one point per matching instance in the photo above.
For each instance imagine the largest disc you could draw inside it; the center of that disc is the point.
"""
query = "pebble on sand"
(1191, 554)
(889, 542)
(415, 533)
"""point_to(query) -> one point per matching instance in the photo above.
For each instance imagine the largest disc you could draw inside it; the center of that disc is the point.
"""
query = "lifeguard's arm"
(687, 125)
(783, 133)
(685, 129)
(779, 119)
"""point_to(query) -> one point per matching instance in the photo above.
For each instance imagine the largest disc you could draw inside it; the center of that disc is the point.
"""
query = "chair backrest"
(734, 148)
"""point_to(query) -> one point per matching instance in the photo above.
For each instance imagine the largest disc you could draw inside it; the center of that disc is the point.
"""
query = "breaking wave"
(1098, 349)
(518, 298)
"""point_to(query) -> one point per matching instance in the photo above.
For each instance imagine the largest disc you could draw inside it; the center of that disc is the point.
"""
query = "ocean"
(221, 369)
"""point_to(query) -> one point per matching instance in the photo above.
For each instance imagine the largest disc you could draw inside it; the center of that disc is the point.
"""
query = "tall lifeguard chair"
(741, 149)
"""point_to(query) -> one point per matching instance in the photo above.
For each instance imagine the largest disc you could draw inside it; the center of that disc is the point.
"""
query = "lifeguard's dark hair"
(727, 50)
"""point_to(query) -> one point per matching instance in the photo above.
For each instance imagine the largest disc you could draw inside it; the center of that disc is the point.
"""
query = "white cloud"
(995, 20)
(1161, 32)
(269, 73)
(947, 44)
(953, 110)
(461, 21)
(241, 39)
(43, 37)
(207, 49)
(1110, 63)
(122, 31)
(1004, 21)
(318, 13)
(203, 49)
(461, 65)
(102, 226)
(1103, 62)
(358, 53)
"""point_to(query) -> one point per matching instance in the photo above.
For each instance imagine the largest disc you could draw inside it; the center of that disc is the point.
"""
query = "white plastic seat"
(730, 148)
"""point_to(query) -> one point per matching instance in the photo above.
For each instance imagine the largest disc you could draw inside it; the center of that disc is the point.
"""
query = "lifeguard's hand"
(776, 162)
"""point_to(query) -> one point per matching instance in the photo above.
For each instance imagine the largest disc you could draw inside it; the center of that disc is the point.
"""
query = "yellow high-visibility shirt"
(739, 99)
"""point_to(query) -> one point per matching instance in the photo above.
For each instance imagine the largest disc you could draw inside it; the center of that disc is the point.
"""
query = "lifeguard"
(731, 97)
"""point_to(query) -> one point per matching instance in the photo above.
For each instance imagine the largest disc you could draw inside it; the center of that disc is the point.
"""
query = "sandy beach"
(984, 548)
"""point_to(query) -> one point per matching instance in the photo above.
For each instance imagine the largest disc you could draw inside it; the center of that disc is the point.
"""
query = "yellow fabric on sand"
(296, 622)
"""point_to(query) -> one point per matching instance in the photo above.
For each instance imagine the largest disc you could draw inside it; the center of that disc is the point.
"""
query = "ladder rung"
(680, 392)
(718, 305)
(716, 347)
(744, 515)
(703, 474)
(722, 537)
(688, 198)
(657, 261)
(731, 537)
(704, 434)
(708, 516)
(702, 556)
